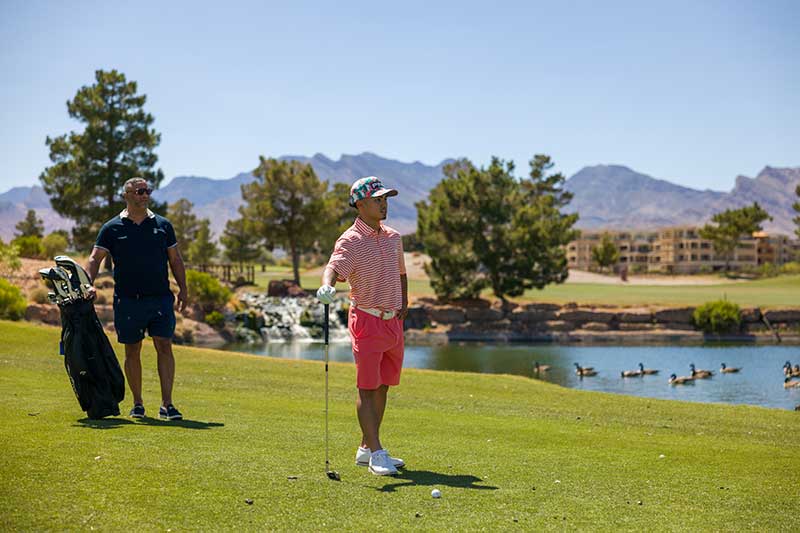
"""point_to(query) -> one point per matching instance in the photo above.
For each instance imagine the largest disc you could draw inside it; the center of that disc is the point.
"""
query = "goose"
(728, 369)
(789, 384)
(683, 380)
(787, 368)
(700, 374)
(647, 371)
(584, 371)
(541, 368)
(796, 371)
(631, 374)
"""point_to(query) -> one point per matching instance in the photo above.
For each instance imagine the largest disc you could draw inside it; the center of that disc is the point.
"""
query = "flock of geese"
(790, 372)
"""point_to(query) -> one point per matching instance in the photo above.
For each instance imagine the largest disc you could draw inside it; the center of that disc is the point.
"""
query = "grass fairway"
(506, 452)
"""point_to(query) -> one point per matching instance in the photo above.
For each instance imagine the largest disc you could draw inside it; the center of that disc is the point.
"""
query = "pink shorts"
(377, 349)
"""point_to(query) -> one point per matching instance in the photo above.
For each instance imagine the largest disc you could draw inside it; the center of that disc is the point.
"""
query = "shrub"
(39, 295)
(12, 302)
(54, 244)
(791, 268)
(206, 291)
(9, 257)
(215, 319)
(718, 317)
(30, 246)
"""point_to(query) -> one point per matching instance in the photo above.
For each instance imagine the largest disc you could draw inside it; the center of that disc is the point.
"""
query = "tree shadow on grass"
(414, 478)
(113, 423)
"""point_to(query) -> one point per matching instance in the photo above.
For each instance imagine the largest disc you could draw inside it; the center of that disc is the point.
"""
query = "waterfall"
(288, 318)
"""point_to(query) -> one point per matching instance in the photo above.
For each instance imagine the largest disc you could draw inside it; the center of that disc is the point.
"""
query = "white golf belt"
(385, 315)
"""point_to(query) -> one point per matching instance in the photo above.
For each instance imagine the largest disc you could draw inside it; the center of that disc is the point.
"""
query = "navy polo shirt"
(139, 252)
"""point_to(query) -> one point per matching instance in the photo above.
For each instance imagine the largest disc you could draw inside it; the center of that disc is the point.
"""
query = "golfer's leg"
(366, 407)
(133, 370)
(166, 368)
(380, 403)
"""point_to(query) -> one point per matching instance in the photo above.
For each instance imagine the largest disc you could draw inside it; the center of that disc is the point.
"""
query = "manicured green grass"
(506, 452)
(782, 291)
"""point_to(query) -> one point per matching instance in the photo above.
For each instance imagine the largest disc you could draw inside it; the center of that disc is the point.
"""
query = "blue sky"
(693, 92)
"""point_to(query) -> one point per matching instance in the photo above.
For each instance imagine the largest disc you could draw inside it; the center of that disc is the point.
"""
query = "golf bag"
(89, 359)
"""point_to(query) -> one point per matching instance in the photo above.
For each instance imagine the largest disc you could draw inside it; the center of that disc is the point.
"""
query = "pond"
(760, 382)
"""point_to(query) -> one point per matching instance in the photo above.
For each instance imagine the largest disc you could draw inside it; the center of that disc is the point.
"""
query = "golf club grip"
(326, 323)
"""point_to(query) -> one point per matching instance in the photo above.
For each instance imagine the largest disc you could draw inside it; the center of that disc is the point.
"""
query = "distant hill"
(606, 196)
(613, 196)
(218, 200)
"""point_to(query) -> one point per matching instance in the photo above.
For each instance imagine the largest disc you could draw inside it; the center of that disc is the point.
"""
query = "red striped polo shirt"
(372, 262)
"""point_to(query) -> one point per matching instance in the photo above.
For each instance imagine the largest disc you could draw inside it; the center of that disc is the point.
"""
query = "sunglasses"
(142, 190)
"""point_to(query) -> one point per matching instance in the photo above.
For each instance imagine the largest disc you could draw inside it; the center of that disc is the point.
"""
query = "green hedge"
(206, 291)
(718, 317)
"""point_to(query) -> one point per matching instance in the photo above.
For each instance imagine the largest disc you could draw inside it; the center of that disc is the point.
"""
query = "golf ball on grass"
(436, 493)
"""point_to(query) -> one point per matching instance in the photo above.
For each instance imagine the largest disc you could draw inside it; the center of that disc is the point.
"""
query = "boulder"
(47, 313)
(751, 315)
(417, 318)
(635, 317)
(679, 326)
(445, 314)
(481, 314)
(470, 303)
(559, 325)
(636, 326)
(783, 315)
(531, 316)
(586, 315)
(542, 307)
(284, 287)
(595, 326)
(679, 315)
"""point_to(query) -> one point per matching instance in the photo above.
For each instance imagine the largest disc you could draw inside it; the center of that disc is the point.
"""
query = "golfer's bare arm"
(94, 262)
(404, 287)
(329, 276)
(179, 271)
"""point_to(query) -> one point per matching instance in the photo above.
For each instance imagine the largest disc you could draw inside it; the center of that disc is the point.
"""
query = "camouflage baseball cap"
(367, 188)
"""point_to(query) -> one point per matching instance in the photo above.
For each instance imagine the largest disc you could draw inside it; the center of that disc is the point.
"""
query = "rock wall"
(480, 320)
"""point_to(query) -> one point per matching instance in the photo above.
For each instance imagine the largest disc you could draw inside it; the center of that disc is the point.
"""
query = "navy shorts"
(134, 316)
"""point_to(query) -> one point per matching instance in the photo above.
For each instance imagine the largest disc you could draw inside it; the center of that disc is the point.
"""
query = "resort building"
(681, 250)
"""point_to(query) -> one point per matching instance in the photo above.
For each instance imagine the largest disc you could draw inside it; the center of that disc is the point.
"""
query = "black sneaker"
(169, 413)
(137, 411)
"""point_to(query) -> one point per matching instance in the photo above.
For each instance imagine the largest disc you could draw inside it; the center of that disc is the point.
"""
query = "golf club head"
(78, 276)
(333, 475)
(64, 276)
(58, 279)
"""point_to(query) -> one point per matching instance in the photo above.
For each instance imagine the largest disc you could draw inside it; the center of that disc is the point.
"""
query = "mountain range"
(605, 196)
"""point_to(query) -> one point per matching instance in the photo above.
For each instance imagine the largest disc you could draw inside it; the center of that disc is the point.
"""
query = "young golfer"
(369, 255)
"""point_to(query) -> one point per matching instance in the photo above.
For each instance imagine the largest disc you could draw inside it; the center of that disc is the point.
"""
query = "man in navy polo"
(141, 244)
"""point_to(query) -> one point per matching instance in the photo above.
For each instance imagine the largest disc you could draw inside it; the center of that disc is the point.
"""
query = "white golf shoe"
(362, 458)
(380, 464)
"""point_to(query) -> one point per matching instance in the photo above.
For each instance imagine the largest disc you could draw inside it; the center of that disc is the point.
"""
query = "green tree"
(30, 226)
(202, 249)
(240, 242)
(30, 246)
(796, 207)
(54, 244)
(286, 206)
(606, 253)
(339, 214)
(729, 226)
(90, 167)
(185, 224)
(486, 228)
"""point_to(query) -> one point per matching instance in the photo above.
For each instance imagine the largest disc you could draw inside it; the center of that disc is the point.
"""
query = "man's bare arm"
(179, 271)
(329, 276)
(94, 262)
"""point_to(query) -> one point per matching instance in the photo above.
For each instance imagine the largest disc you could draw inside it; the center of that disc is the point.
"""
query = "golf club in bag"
(89, 359)
(332, 474)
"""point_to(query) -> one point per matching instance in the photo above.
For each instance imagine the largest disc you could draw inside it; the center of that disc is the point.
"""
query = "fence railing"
(229, 272)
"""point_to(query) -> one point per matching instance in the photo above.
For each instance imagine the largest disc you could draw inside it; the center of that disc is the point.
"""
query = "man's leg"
(133, 370)
(166, 367)
(367, 409)
(379, 405)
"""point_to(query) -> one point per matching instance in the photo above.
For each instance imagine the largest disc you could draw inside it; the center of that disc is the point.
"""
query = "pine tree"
(240, 242)
(30, 226)
(185, 224)
(202, 249)
(90, 166)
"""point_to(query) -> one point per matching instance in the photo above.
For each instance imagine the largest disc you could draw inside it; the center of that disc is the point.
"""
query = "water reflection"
(759, 383)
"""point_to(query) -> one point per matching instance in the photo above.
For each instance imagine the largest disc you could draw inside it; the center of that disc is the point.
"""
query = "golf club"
(78, 276)
(59, 282)
(332, 474)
